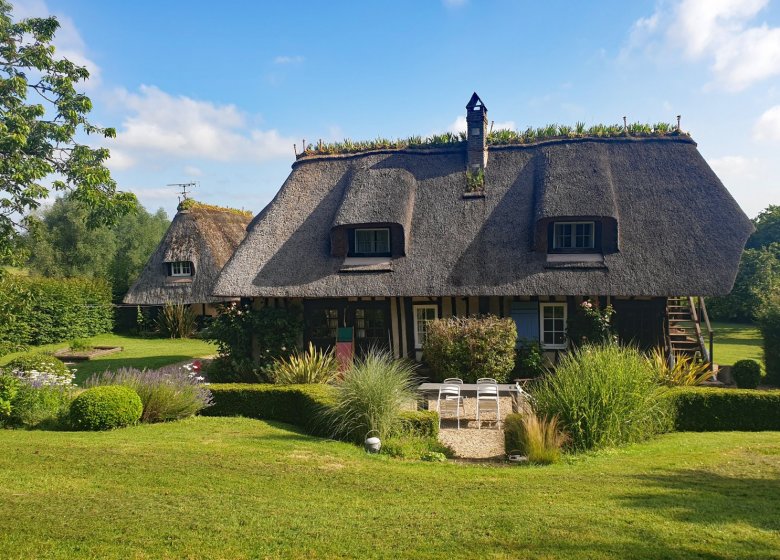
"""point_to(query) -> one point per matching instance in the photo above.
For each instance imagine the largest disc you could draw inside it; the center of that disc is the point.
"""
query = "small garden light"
(373, 444)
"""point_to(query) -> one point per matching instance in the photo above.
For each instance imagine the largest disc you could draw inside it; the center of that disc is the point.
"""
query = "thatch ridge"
(680, 230)
(203, 234)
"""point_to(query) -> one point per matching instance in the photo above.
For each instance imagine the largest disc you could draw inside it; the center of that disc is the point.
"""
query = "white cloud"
(67, 40)
(163, 125)
(192, 171)
(287, 59)
(740, 53)
(731, 169)
(767, 126)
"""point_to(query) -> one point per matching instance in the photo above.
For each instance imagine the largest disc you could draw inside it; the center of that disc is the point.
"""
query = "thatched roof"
(680, 231)
(206, 236)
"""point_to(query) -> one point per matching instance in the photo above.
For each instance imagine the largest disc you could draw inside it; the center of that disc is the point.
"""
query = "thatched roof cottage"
(186, 264)
(386, 239)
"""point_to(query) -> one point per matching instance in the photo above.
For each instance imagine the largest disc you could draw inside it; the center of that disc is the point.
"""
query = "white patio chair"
(486, 380)
(450, 401)
(487, 400)
(457, 381)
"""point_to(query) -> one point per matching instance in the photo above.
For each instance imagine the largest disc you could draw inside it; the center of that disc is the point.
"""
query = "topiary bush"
(604, 396)
(105, 408)
(746, 373)
(769, 322)
(471, 347)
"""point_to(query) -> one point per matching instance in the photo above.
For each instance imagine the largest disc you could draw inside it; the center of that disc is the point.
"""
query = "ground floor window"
(423, 314)
(552, 325)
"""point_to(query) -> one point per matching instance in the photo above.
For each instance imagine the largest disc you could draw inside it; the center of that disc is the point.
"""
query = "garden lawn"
(239, 488)
(138, 353)
(737, 341)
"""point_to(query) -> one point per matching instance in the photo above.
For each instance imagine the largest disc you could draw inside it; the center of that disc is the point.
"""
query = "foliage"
(371, 397)
(498, 137)
(43, 310)
(63, 246)
(192, 204)
(40, 369)
(711, 409)
(105, 408)
(767, 225)
(538, 438)
(169, 393)
(471, 347)
(176, 321)
(475, 180)
(224, 369)
(757, 283)
(273, 331)
(9, 388)
(747, 374)
(603, 396)
(529, 360)
(300, 405)
(420, 423)
(414, 447)
(40, 406)
(769, 321)
(38, 135)
(686, 370)
(591, 325)
(312, 366)
(79, 344)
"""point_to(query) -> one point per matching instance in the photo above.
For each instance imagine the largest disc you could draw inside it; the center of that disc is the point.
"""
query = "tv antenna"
(184, 195)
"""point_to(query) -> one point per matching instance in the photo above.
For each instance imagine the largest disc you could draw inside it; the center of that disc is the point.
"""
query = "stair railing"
(705, 316)
(697, 325)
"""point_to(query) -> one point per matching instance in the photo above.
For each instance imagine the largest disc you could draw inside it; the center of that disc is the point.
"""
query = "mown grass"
(737, 341)
(239, 488)
(139, 353)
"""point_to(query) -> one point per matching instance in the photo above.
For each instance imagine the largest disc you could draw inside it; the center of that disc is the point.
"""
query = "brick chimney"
(476, 131)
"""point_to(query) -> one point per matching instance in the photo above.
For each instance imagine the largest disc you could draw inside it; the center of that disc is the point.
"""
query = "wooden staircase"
(684, 328)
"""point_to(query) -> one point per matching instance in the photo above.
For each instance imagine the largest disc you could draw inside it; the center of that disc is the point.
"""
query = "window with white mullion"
(372, 241)
(181, 268)
(423, 315)
(574, 235)
(553, 325)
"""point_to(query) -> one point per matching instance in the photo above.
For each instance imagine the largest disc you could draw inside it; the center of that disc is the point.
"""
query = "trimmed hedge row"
(36, 310)
(299, 405)
(710, 409)
(294, 404)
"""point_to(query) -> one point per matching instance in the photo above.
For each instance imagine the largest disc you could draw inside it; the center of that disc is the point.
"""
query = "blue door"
(525, 314)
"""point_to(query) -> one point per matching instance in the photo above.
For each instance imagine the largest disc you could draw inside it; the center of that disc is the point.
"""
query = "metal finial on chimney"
(678, 122)
(625, 124)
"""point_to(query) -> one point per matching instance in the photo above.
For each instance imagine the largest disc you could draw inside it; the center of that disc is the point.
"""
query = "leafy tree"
(767, 225)
(758, 280)
(64, 246)
(41, 114)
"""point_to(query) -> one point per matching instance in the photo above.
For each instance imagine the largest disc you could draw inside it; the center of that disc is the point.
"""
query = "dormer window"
(180, 268)
(574, 235)
(370, 242)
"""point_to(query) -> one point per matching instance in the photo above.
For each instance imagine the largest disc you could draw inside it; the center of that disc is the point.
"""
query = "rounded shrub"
(105, 408)
(746, 373)
(25, 364)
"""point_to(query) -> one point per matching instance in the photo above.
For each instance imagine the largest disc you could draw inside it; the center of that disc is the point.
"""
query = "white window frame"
(542, 307)
(574, 225)
(180, 266)
(359, 252)
(417, 342)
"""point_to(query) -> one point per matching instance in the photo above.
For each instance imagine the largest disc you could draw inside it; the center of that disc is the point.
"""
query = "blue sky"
(219, 92)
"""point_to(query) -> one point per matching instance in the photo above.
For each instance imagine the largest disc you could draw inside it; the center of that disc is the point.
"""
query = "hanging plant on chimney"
(475, 180)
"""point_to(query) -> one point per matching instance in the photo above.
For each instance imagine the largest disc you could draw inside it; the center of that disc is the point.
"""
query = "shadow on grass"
(708, 498)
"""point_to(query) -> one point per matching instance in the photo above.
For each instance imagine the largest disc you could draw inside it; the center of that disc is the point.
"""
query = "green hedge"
(295, 404)
(710, 409)
(422, 423)
(36, 310)
(299, 405)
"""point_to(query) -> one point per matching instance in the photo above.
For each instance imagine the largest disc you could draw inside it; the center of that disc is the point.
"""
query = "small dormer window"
(371, 242)
(180, 268)
(574, 236)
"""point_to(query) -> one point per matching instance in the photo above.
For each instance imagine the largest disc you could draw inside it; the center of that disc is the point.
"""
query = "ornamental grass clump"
(371, 397)
(312, 366)
(539, 438)
(169, 393)
(604, 396)
(686, 371)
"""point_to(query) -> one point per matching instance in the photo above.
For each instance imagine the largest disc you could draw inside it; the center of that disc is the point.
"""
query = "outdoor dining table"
(513, 390)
